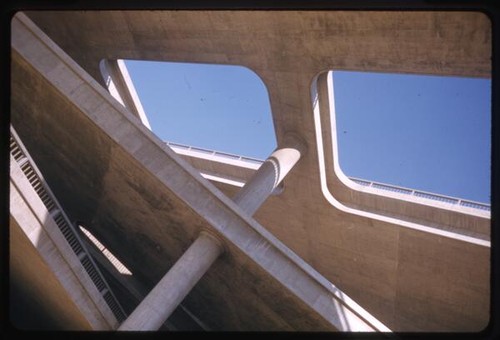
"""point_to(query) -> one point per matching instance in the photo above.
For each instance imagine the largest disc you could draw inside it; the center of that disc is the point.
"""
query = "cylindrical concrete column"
(269, 175)
(175, 285)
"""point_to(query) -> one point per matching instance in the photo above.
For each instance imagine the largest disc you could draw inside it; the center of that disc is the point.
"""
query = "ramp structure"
(216, 242)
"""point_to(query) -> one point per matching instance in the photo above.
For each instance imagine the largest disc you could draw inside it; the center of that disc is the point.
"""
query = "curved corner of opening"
(323, 101)
(267, 93)
(325, 117)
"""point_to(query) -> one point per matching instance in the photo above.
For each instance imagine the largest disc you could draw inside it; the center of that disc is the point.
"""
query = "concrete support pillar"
(175, 285)
(269, 175)
(154, 310)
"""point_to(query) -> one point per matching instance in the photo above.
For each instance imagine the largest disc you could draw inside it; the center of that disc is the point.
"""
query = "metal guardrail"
(226, 155)
(372, 184)
(424, 194)
(27, 165)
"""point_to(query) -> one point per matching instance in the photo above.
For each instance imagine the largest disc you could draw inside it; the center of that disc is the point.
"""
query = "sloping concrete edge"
(40, 228)
(223, 215)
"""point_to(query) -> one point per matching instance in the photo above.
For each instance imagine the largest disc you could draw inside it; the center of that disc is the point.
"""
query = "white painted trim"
(334, 202)
(133, 93)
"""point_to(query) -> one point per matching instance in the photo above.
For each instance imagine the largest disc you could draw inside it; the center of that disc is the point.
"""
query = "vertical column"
(269, 175)
(175, 285)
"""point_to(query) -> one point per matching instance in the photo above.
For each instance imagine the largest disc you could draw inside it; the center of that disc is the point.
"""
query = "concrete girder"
(306, 290)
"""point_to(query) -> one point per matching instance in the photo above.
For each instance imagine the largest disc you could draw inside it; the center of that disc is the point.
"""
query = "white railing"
(226, 155)
(424, 194)
(372, 184)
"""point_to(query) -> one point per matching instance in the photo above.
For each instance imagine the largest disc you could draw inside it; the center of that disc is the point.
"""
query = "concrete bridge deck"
(412, 265)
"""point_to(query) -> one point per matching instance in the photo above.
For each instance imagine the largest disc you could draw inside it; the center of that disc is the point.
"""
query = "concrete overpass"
(319, 243)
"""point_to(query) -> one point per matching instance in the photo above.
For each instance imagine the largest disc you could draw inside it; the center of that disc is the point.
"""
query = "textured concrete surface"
(32, 283)
(168, 293)
(267, 178)
(52, 276)
(409, 279)
(302, 298)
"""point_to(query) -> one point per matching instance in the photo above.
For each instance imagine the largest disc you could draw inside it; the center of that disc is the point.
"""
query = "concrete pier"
(154, 310)
(270, 174)
(175, 285)
(325, 254)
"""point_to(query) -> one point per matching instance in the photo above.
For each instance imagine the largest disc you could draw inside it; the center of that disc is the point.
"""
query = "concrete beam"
(121, 87)
(284, 273)
(418, 42)
(155, 309)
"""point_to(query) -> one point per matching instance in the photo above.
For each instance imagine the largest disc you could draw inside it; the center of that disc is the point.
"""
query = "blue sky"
(223, 108)
(423, 132)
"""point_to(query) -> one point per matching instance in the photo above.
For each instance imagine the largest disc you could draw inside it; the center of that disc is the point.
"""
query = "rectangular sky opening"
(218, 107)
(430, 133)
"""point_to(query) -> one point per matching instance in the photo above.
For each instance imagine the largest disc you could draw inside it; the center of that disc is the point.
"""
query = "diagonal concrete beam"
(240, 233)
(256, 190)
(163, 299)
(160, 303)
(31, 215)
(121, 87)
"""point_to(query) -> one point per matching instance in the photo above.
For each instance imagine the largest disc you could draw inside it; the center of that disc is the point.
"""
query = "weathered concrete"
(60, 264)
(269, 175)
(37, 299)
(410, 279)
(464, 222)
(148, 213)
(154, 310)
(120, 86)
